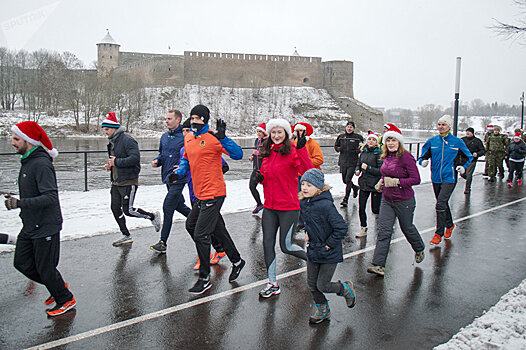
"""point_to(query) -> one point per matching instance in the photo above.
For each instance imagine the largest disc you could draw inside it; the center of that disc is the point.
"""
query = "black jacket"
(39, 204)
(349, 147)
(517, 150)
(324, 226)
(127, 156)
(474, 145)
(372, 174)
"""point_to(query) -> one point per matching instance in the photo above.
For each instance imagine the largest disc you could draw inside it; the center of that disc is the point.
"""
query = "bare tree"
(515, 31)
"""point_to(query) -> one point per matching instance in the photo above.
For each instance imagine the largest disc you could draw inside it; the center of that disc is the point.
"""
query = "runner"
(443, 149)
(168, 158)
(256, 166)
(124, 165)
(203, 157)
(282, 161)
(37, 249)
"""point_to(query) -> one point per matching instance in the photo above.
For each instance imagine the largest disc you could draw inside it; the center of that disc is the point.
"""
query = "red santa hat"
(517, 135)
(373, 136)
(388, 125)
(489, 127)
(111, 121)
(395, 133)
(262, 127)
(283, 123)
(305, 127)
(35, 135)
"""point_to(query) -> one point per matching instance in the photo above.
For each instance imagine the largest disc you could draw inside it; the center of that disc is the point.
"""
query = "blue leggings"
(284, 221)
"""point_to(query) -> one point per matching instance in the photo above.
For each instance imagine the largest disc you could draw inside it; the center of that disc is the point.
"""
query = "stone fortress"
(238, 71)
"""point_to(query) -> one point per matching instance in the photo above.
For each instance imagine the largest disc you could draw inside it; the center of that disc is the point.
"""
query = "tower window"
(111, 57)
(305, 80)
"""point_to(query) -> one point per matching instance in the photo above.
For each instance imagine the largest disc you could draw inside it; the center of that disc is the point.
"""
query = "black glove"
(225, 167)
(172, 177)
(302, 141)
(220, 129)
(259, 176)
(12, 203)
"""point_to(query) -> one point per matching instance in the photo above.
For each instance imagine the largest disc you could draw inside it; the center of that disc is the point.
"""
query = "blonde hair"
(317, 193)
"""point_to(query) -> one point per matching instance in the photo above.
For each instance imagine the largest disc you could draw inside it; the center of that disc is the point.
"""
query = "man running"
(203, 156)
(169, 154)
(38, 245)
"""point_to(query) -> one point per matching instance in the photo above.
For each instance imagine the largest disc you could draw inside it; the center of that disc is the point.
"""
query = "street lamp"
(457, 95)
(522, 111)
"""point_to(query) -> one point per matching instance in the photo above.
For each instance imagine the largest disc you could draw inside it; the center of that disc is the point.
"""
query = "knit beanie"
(111, 121)
(446, 119)
(470, 130)
(201, 111)
(350, 122)
(33, 133)
(314, 177)
(272, 123)
(186, 124)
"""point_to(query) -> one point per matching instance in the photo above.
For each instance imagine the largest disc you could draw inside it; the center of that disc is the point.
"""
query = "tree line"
(46, 83)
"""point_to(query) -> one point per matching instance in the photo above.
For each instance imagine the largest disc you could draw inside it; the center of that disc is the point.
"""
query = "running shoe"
(159, 247)
(362, 233)
(449, 231)
(519, 182)
(348, 293)
(379, 270)
(321, 313)
(257, 209)
(236, 270)
(510, 184)
(61, 309)
(419, 257)
(436, 239)
(217, 257)
(269, 291)
(123, 240)
(156, 221)
(197, 264)
(200, 286)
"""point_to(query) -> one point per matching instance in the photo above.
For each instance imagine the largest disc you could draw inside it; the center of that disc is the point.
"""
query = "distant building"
(238, 71)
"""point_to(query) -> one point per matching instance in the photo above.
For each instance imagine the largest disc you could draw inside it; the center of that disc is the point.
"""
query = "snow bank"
(502, 327)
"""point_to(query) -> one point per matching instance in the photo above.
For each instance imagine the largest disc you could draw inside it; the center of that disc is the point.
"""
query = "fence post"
(418, 150)
(85, 171)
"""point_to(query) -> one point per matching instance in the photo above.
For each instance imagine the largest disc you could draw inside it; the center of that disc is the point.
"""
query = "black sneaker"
(236, 269)
(343, 204)
(159, 247)
(355, 192)
(200, 286)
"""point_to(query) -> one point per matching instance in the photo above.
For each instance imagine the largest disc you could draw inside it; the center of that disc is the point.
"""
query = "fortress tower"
(107, 55)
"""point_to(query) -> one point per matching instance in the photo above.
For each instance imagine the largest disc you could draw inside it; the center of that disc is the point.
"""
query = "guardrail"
(416, 146)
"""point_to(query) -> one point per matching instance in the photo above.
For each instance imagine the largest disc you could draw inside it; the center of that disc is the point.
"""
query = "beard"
(22, 149)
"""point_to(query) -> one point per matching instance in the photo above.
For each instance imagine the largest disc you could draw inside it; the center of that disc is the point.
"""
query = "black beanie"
(350, 122)
(201, 111)
(186, 124)
(471, 129)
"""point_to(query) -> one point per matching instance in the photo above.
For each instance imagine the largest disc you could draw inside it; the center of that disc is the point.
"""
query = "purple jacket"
(403, 168)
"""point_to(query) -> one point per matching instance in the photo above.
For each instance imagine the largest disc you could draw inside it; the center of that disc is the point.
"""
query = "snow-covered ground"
(502, 327)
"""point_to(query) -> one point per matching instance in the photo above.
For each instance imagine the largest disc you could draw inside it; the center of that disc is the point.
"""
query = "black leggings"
(376, 198)
(122, 198)
(252, 184)
(515, 167)
(347, 175)
(285, 222)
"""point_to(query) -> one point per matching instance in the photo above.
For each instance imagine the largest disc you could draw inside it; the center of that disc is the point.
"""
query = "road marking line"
(200, 301)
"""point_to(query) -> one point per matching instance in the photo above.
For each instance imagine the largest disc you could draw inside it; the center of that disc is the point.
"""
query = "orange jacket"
(314, 151)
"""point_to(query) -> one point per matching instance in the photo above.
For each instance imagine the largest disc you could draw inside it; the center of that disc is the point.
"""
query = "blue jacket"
(324, 226)
(442, 151)
(169, 148)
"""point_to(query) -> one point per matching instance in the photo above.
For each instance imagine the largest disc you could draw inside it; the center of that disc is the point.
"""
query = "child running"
(325, 230)
(282, 161)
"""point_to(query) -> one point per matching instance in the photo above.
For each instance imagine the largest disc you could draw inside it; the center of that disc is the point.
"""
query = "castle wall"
(107, 58)
(133, 57)
(251, 70)
(338, 78)
(157, 70)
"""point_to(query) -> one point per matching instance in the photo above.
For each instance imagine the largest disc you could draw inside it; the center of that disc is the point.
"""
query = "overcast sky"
(403, 51)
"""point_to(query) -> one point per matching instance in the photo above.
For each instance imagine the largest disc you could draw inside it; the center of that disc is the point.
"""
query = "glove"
(391, 181)
(172, 177)
(259, 177)
(378, 186)
(460, 169)
(425, 163)
(339, 149)
(221, 129)
(12, 203)
(302, 141)
(225, 167)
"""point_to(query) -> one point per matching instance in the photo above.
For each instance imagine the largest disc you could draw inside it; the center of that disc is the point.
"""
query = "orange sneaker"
(50, 300)
(61, 309)
(449, 231)
(197, 264)
(436, 239)
(217, 257)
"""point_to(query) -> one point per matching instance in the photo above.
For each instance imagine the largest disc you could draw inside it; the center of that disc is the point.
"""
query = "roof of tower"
(108, 39)
(295, 52)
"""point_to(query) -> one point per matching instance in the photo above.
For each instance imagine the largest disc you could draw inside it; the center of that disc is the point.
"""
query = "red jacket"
(280, 183)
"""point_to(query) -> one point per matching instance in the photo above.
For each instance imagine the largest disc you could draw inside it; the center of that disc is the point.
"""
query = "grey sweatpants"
(389, 211)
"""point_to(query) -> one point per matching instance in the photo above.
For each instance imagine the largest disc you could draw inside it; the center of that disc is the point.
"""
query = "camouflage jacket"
(497, 143)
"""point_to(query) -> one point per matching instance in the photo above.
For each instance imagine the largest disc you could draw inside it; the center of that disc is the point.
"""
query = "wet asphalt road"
(413, 307)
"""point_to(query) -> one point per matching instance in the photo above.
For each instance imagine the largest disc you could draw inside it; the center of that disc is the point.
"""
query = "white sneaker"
(123, 240)
(156, 222)
(362, 233)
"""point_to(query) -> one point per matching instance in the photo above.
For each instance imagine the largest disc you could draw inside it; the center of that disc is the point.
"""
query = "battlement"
(194, 55)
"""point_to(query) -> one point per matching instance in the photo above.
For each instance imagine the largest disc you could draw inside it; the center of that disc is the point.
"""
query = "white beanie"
(446, 118)
(272, 123)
